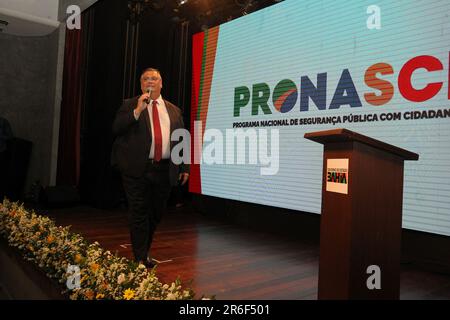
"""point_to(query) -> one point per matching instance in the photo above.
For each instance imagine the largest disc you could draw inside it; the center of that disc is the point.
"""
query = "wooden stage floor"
(228, 261)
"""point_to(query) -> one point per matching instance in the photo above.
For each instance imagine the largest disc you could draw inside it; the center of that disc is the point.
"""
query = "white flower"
(120, 278)
(171, 296)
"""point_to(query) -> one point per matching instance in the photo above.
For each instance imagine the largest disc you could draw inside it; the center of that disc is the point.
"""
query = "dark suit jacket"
(133, 139)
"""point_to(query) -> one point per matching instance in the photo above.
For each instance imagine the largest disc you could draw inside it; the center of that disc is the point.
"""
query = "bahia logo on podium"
(337, 175)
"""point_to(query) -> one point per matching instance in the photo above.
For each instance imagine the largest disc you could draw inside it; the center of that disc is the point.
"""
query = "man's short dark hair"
(151, 69)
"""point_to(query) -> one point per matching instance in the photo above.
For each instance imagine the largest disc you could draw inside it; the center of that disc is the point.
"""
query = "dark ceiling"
(204, 13)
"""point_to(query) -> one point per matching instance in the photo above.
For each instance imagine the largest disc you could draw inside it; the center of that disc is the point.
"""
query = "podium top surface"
(345, 135)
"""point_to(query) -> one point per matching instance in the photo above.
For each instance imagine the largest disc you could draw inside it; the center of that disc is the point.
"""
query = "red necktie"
(157, 135)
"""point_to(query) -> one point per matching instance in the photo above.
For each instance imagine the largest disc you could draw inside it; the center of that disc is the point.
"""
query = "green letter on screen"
(241, 98)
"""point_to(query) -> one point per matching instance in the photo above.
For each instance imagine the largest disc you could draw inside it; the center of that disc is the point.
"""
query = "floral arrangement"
(101, 274)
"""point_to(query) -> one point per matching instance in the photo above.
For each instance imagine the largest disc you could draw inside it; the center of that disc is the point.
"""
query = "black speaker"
(60, 196)
(14, 161)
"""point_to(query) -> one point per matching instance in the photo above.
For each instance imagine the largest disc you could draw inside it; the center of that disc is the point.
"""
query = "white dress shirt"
(164, 121)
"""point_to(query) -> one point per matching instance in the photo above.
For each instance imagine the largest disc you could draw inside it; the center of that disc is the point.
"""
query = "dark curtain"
(99, 184)
(68, 170)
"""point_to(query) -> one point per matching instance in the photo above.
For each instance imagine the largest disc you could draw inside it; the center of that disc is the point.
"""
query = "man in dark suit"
(141, 151)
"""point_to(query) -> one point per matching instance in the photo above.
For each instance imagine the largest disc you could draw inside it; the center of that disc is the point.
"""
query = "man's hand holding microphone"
(143, 101)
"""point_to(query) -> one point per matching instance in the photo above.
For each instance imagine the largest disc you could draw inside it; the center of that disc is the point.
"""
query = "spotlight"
(245, 5)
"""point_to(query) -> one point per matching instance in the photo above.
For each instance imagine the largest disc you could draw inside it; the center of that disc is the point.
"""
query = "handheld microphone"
(149, 91)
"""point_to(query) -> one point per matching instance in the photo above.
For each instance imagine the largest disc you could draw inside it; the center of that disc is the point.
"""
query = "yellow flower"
(128, 294)
(100, 296)
(94, 267)
(50, 239)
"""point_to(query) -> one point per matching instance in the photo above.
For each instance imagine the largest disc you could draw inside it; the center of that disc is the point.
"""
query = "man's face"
(151, 79)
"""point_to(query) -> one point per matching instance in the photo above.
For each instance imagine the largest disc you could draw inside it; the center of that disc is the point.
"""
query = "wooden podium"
(361, 221)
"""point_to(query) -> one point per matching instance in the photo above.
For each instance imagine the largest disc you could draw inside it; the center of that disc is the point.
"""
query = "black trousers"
(147, 200)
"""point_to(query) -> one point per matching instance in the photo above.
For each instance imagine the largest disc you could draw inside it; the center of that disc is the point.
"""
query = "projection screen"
(304, 66)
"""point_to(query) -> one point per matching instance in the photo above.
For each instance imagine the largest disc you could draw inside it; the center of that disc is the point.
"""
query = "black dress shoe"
(149, 263)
